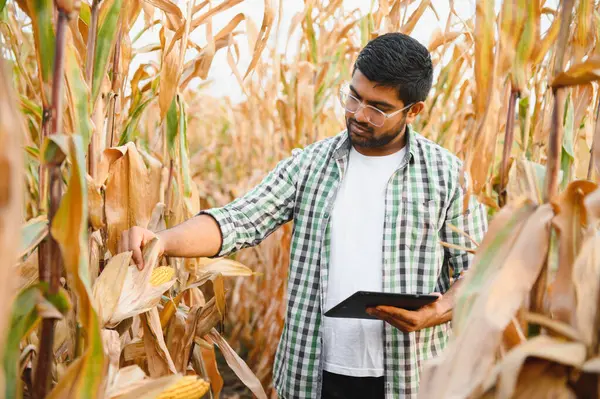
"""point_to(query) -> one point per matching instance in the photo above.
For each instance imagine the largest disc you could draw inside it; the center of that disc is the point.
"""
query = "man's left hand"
(409, 320)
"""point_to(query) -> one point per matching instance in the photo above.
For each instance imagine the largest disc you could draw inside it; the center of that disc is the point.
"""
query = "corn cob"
(188, 387)
(161, 275)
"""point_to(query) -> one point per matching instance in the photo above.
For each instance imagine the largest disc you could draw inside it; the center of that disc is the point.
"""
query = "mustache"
(362, 126)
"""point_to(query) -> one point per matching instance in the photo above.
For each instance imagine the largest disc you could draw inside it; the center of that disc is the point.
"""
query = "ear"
(414, 111)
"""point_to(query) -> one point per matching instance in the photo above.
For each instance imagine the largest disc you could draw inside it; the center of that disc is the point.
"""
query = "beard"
(367, 138)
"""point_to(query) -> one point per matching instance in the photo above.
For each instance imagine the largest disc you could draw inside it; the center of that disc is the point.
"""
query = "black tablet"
(354, 307)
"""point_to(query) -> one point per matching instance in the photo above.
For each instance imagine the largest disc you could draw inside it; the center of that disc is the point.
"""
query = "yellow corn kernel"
(188, 387)
(161, 275)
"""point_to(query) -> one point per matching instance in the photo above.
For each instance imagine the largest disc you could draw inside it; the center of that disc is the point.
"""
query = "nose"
(359, 115)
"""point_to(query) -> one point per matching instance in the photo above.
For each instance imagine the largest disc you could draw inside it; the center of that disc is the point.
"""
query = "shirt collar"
(342, 149)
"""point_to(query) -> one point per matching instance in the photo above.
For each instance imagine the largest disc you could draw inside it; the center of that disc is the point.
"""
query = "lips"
(358, 130)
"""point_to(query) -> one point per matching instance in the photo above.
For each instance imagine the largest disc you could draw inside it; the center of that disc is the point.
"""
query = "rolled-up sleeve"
(248, 220)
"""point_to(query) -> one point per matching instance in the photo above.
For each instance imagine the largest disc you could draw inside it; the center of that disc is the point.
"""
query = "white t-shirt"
(354, 347)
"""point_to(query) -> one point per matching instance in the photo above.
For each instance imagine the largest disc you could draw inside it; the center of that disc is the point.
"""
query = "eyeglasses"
(373, 115)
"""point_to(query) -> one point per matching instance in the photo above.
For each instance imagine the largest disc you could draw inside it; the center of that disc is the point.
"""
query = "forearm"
(445, 305)
(199, 236)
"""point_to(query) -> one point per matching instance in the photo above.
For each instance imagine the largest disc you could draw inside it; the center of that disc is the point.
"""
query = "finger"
(138, 259)
(392, 310)
(124, 242)
(135, 245)
(380, 315)
(398, 313)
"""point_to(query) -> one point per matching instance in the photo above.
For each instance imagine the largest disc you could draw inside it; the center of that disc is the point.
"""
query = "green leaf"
(80, 94)
(29, 107)
(55, 149)
(2, 4)
(85, 13)
(312, 38)
(523, 110)
(104, 43)
(568, 153)
(24, 318)
(127, 134)
(42, 19)
(34, 152)
(32, 233)
(569, 129)
(172, 127)
(183, 150)
(364, 31)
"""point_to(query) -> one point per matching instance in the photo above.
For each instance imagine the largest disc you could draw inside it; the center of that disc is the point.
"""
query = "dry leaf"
(586, 281)
(470, 355)
(506, 373)
(127, 178)
(569, 221)
(160, 362)
(580, 73)
(238, 365)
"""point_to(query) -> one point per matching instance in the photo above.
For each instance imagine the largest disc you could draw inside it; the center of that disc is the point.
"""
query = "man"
(370, 207)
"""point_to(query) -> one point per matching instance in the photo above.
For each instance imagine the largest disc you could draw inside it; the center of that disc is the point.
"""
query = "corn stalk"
(51, 258)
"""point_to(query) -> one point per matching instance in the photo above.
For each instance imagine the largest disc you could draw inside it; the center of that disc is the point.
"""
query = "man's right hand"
(134, 240)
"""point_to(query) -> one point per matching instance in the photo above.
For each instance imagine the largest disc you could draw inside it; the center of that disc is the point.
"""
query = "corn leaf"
(474, 349)
(30, 306)
(12, 177)
(491, 253)
(85, 13)
(238, 366)
(263, 36)
(568, 152)
(69, 227)
(128, 133)
(109, 285)
(169, 79)
(78, 96)
(226, 267)
(580, 73)
(586, 280)
(32, 233)
(570, 221)
(127, 176)
(23, 319)
(541, 347)
(129, 291)
(484, 56)
(526, 44)
(107, 34)
(96, 203)
(183, 150)
(160, 362)
(172, 124)
(41, 14)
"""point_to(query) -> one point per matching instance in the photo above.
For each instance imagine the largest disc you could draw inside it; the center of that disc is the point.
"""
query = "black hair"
(397, 60)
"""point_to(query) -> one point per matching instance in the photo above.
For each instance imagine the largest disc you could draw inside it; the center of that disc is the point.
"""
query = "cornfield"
(95, 141)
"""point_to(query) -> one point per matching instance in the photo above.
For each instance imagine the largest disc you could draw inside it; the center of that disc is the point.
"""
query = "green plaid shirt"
(423, 197)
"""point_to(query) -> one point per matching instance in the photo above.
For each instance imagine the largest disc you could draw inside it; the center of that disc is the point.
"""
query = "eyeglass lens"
(374, 116)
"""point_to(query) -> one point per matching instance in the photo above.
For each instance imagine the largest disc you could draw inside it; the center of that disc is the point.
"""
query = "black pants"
(336, 386)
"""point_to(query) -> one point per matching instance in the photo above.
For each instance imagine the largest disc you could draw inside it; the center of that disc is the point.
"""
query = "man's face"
(365, 135)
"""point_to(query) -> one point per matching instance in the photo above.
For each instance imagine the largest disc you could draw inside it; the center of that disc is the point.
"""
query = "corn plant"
(84, 323)
(515, 96)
